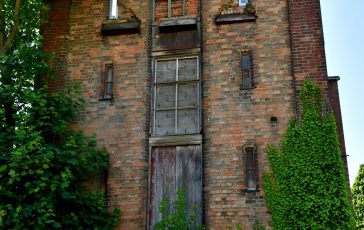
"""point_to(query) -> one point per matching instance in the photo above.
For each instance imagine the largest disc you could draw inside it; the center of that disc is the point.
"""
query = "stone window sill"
(251, 190)
(177, 24)
(234, 18)
(117, 27)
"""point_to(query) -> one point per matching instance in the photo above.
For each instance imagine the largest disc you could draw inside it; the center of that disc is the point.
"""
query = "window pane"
(164, 122)
(166, 71)
(187, 121)
(187, 94)
(166, 96)
(108, 89)
(187, 69)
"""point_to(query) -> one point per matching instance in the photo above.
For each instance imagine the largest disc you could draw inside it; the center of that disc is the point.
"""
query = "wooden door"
(173, 167)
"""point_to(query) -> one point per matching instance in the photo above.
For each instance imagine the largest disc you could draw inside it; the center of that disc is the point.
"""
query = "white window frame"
(243, 2)
(113, 9)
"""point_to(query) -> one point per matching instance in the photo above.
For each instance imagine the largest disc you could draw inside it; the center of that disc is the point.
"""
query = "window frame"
(247, 77)
(251, 151)
(243, 2)
(113, 4)
(105, 81)
(176, 83)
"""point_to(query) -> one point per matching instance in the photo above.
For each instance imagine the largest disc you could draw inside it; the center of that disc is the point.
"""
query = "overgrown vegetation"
(358, 198)
(305, 188)
(177, 217)
(42, 162)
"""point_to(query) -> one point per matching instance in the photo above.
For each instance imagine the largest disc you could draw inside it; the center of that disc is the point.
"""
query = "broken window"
(176, 104)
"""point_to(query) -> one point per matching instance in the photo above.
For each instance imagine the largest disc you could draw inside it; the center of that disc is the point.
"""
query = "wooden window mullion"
(183, 7)
(176, 102)
(155, 98)
(251, 170)
(169, 8)
(184, 85)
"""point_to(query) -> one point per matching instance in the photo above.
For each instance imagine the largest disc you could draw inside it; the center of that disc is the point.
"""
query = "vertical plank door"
(173, 167)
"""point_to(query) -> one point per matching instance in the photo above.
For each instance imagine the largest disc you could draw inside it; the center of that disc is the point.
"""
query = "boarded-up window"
(172, 168)
(176, 104)
(251, 168)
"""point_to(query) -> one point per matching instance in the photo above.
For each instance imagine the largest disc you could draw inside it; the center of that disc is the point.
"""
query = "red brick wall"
(55, 32)
(235, 117)
(120, 125)
(333, 92)
(308, 56)
(287, 46)
(308, 51)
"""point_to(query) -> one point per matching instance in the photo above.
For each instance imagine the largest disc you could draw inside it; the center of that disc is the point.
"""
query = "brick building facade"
(188, 93)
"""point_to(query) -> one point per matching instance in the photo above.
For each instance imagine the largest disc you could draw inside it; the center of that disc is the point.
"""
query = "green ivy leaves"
(358, 198)
(42, 162)
(305, 188)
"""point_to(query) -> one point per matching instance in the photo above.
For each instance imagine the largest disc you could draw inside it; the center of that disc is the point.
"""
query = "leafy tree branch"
(6, 41)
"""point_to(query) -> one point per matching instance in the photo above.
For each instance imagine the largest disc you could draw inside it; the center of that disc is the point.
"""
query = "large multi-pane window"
(176, 104)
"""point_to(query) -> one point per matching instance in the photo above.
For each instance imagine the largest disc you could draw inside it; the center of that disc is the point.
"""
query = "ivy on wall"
(306, 188)
(358, 198)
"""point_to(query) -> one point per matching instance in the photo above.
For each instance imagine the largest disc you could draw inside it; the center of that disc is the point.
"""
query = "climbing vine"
(305, 188)
(358, 198)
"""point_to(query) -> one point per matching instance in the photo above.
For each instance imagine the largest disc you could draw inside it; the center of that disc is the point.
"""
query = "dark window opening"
(107, 91)
(246, 69)
(251, 168)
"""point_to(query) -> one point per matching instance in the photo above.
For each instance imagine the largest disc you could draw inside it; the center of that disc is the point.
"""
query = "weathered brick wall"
(235, 117)
(120, 125)
(55, 32)
(232, 117)
(308, 51)
(308, 57)
(333, 91)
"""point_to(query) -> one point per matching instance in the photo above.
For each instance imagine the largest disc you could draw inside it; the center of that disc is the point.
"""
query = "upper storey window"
(242, 2)
(175, 8)
(113, 12)
(176, 104)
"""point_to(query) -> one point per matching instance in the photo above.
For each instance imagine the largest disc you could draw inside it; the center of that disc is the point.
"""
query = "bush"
(179, 218)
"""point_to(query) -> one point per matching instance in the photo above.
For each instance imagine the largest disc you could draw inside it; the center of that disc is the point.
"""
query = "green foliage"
(42, 170)
(358, 198)
(305, 188)
(177, 217)
(42, 162)
(258, 225)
